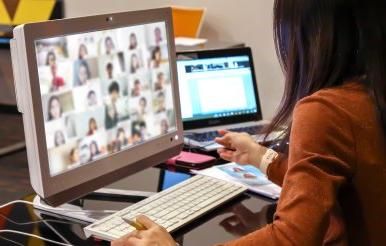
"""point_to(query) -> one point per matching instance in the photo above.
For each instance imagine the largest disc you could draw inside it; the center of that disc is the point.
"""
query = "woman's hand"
(240, 148)
(154, 235)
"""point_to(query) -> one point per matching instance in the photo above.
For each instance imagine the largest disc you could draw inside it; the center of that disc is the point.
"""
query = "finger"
(226, 140)
(221, 141)
(145, 221)
(226, 151)
(222, 132)
(222, 150)
(227, 156)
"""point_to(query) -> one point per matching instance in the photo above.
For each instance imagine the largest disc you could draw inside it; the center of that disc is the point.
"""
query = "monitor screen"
(216, 87)
(103, 92)
(170, 178)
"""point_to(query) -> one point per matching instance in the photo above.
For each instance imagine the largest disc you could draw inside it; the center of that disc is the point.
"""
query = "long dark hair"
(323, 44)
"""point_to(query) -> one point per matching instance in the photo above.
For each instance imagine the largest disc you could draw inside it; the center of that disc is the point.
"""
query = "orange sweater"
(334, 179)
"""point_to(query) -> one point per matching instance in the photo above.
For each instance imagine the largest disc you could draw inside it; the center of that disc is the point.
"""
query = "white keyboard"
(171, 208)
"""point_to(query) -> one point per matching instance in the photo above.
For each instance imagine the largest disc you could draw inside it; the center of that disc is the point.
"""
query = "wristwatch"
(269, 157)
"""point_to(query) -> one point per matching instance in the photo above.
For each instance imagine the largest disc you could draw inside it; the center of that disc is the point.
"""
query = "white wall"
(249, 21)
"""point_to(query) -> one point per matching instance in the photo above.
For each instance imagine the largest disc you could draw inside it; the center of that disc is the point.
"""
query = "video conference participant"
(109, 70)
(121, 140)
(109, 45)
(57, 81)
(54, 108)
(135, 63)
(92, 99)
(51, 58)
(334, 107)
(133, 41)
(82, 72)
(161, 81)
(83, 52)
(156, 57)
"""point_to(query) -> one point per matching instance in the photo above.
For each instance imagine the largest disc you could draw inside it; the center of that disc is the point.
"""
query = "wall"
(228, 20)
(7, 91)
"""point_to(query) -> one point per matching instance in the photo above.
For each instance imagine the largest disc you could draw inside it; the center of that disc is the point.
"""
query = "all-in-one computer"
(100, 101)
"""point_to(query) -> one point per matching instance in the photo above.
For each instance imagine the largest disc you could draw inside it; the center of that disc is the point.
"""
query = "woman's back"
(355, 138)
(363, 200)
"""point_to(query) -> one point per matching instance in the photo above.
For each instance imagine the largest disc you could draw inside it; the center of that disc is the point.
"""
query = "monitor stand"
(75, 211)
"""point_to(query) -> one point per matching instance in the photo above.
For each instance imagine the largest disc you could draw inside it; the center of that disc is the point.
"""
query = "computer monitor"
(217, 87)
(99, 98)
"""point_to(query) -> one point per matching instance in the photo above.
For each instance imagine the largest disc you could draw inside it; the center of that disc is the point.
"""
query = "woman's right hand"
(240, 148)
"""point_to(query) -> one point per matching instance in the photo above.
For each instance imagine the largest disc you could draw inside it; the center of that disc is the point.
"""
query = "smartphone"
(192, 160)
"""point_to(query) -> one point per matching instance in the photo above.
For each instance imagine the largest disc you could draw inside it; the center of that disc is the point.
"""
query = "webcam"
(109, 19)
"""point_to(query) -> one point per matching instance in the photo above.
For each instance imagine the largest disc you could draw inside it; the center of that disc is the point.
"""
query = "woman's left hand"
(154, 235)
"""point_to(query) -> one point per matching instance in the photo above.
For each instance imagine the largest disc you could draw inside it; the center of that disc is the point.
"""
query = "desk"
(207, 230)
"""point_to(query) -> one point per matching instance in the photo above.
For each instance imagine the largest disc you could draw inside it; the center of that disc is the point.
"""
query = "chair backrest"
(187, 21)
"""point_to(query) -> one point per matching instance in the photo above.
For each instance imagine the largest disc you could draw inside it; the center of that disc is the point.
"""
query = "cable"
(61, 209)
(10, 240)
(48, 208)
(35, 236)
(34, 222)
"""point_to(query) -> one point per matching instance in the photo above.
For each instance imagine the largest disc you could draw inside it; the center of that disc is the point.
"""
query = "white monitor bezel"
(56, 189)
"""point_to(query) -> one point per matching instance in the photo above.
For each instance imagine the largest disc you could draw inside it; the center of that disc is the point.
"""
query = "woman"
(134, 63)
(94, 150)
(160, 83)
(57, 82)
(160, 103)
(82, 52)
(74, 156)
(164, 126)
(54, 108)
(133, 41)
(156, 57)
(50, 58)
(334, 106)
(142, 105)
(121, 140)
(92, 98)
(92, 127)
(137, 88)
(157, 35)
(109, 45)
(83, 73)
(111, 116)
(59, 138)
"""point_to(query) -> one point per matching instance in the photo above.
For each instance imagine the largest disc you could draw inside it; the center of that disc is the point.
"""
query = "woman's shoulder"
(343, 95)
(348, 98)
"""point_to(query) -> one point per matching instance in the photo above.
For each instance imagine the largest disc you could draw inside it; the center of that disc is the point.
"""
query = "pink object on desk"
(190, 158)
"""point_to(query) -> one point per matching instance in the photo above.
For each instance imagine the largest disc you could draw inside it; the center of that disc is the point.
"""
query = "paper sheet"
(247, 175)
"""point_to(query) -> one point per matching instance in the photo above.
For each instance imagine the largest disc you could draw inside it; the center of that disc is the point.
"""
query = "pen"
(134, 224)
